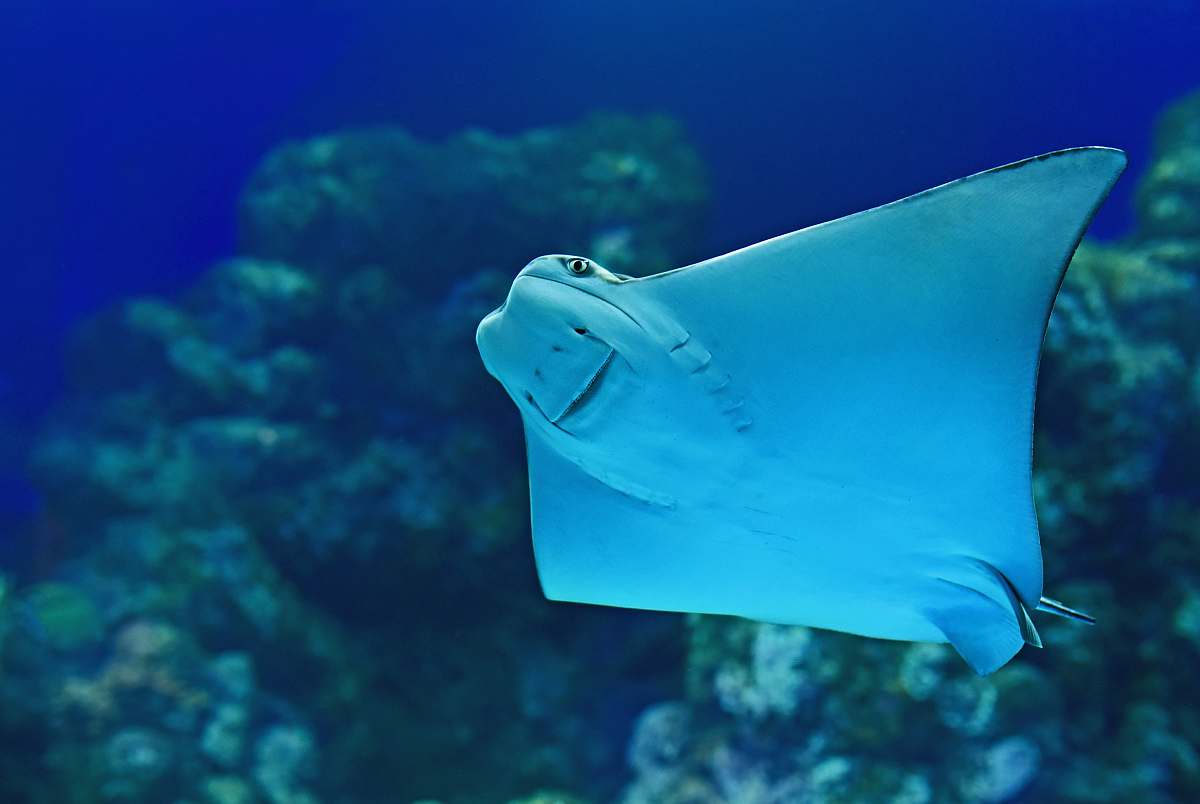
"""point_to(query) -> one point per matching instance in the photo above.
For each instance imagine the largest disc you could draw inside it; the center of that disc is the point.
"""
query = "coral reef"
(619, 189)
(1169, 197)
(284, 557)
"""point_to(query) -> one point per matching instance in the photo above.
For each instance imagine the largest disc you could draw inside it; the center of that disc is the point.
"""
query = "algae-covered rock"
(285, 763)
(1169, 194)
(624, 190)
(135, 722)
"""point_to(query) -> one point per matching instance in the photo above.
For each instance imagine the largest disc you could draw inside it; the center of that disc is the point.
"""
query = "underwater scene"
(317, 486)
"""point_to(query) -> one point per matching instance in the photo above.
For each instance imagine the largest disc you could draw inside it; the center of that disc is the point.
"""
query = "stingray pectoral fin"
(897, 349)
(603, 539)
(1051, 606)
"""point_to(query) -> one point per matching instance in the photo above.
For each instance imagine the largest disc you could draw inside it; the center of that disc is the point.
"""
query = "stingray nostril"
(556, 348)
(529, 397)
(580, 330)
(537, 373)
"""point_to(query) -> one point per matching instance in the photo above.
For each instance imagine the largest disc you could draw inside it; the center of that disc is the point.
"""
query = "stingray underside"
(892, 355)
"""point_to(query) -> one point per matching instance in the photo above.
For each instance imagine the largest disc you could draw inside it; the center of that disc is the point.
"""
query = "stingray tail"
(1052, 606)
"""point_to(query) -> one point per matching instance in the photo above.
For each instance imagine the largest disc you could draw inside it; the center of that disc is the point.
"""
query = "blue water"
(130, 129)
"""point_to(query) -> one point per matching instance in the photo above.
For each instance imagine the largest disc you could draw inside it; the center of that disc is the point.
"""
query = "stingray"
(831, 428)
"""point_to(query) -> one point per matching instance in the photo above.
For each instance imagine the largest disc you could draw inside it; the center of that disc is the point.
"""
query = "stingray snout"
(542, 348)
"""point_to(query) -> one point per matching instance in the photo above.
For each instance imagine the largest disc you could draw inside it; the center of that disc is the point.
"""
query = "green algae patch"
(65, 618)
(549, 797)
(4, 619)
(227, 790)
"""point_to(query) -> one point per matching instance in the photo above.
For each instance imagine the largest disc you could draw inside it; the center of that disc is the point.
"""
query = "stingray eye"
(578, 265)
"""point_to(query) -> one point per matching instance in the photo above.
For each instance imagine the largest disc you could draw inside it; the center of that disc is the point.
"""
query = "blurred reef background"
(285, 558)
(264, 517)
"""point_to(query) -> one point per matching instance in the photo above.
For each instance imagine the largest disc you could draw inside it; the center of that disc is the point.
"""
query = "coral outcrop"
(287, 510)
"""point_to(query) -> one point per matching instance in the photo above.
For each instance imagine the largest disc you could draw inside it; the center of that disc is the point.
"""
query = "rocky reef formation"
(286, 547)
(284, 558)
(619, 189)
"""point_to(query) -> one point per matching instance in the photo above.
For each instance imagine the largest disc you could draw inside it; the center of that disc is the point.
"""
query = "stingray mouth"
(550, 347)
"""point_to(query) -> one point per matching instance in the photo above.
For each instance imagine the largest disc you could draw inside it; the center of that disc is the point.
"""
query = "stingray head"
(555, 336)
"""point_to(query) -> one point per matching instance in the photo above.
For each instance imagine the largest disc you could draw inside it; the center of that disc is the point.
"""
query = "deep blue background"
(129, 127)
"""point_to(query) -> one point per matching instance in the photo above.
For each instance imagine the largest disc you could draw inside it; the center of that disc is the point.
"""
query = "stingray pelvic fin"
(1051, 606)
(986, 622)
